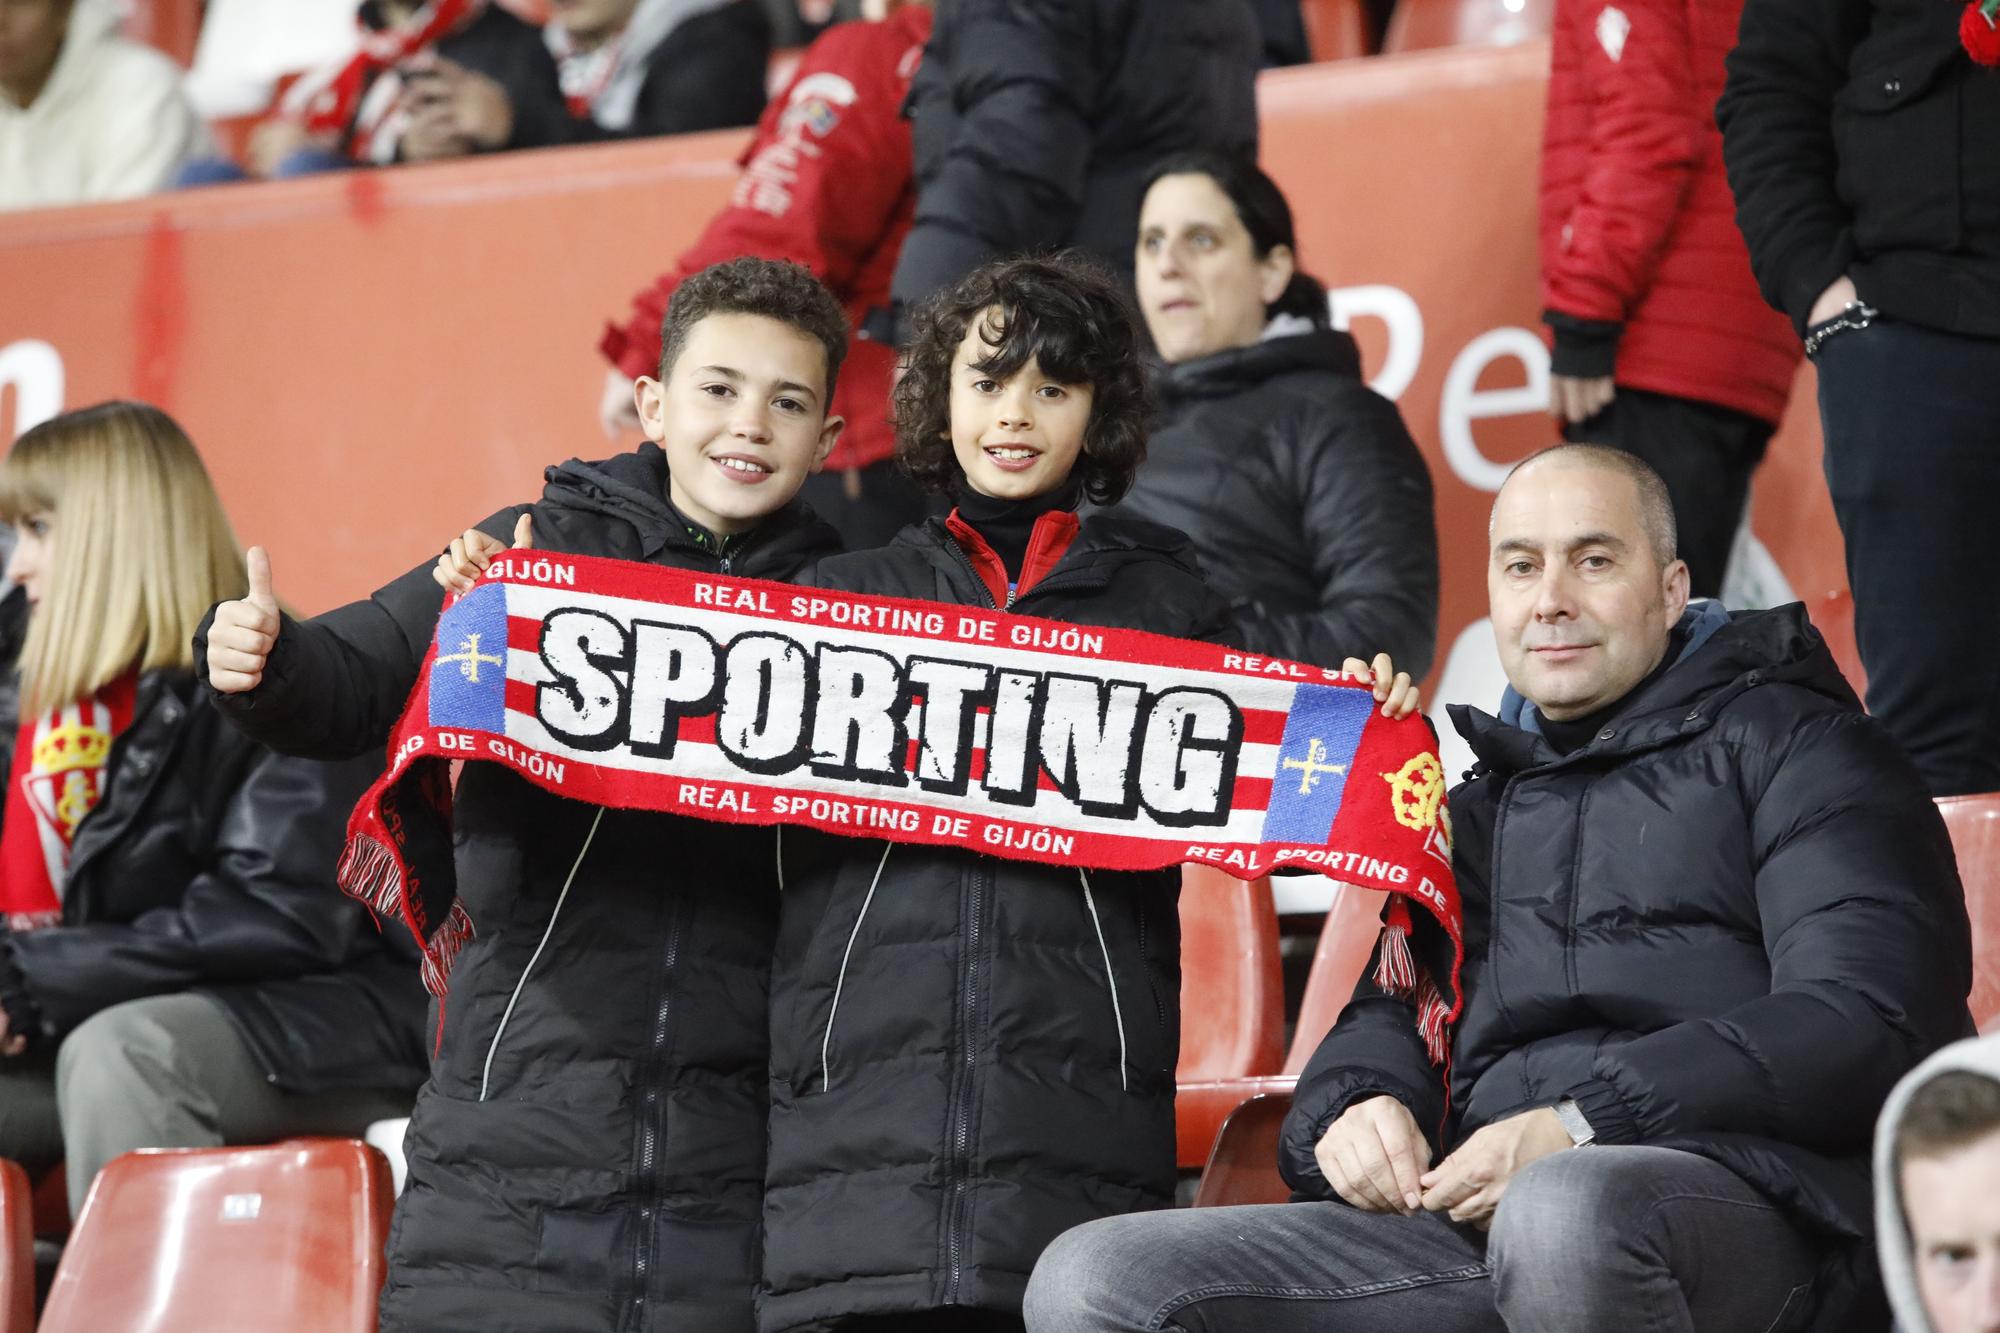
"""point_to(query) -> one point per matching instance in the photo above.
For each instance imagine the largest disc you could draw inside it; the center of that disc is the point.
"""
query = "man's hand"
(1832, 301)
(476, 107)
(276, 139)
(243, 632)
(472, 551)
(1374, 1155)
(11, 1042)
(432, 135)
(1574, 398)
(1468, 1184)
(1394, 689)
(617, 410)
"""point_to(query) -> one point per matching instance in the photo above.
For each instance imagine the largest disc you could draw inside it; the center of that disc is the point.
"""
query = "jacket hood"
(1323, 351)
(633, 487)
(1974, 1055)
(1727, 653)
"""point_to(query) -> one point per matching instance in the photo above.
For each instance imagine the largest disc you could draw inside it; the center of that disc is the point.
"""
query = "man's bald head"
(1655, 507)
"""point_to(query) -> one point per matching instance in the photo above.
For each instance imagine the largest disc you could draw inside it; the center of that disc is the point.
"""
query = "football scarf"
(56, 779)
(638, 687)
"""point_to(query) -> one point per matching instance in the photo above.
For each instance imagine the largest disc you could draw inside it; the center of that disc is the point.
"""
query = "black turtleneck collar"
(1578, 731)
(1008, 525)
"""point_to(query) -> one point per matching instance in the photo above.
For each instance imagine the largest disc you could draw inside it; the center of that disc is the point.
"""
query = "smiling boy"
(589, 1151)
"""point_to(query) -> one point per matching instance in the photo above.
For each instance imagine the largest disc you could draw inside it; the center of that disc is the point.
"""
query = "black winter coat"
(1036, 121)
(706, 74)
(208, 867)
(1859, 139)
(966, 1104)
(1307, 500)
(1728, 925)
(589, 1150)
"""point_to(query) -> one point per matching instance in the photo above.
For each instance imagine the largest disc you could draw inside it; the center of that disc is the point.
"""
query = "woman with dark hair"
(1308, 503)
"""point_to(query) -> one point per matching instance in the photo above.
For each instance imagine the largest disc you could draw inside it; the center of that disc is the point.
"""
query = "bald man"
(1711, 916)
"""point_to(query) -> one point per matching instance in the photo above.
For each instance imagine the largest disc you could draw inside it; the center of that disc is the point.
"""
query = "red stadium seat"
(1427, 25)
(169, 26)
(1345, 943)
(1336, 29)
(17, 1265)
(1244, 1166)
(1232, 983)
(1974, 823)
(228, 1240)
(51, 1202)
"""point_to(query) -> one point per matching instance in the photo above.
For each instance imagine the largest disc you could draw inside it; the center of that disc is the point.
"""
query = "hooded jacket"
(111, 123)
(970, 1055)
(1977, 1056)
(589, 1150)
(1727, 925)
(1307, 501)
(1036, 122)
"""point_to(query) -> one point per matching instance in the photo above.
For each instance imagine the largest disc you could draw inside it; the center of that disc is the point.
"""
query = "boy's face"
(1014, 439)
(742, 416)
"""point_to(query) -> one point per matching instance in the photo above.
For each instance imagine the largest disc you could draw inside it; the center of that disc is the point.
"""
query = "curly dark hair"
(1068, 315)
(774, 288)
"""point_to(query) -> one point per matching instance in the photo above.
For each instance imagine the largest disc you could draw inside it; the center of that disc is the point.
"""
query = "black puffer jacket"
(1728, 925)
(965, 1105)
(1036, 121)
(1859, 140)
(589, 1151)
(208, 867)
(1309, 505)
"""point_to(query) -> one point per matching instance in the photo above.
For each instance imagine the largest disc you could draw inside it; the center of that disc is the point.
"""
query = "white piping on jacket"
(1110, 977)
(486, 1073)
(826, 1043)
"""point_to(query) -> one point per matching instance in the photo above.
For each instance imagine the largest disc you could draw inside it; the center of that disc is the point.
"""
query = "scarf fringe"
(441, 950)
(371, 872)
(1396, 972)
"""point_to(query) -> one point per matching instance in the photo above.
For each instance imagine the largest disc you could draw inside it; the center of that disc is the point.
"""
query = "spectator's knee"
(1075, 1286)
(111, 1053)
(1585, 1210)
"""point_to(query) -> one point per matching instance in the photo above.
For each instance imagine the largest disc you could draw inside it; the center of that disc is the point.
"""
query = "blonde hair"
(141, 548)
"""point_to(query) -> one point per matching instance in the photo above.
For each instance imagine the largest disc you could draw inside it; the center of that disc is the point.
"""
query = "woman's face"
(1201, 284)
(34, 549)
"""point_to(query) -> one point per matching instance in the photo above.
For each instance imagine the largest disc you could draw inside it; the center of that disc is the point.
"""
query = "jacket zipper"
(840, 980)
(961, 1135)
(1110, 981)
(486, 1071)
(652, 1110)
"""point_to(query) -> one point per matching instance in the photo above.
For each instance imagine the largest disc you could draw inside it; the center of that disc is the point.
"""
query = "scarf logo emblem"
(1313, 765)
(469, 657)
(1416, 790)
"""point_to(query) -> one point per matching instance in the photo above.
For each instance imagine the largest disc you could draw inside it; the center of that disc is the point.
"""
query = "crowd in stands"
(1002, 314)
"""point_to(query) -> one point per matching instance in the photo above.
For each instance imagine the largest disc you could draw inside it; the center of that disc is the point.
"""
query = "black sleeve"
(1374, 1050)
(1776, 115)
(1003, 137)
(336, 684)
(263, 906)
(1371, 538)
(513, 55)
(707, 75)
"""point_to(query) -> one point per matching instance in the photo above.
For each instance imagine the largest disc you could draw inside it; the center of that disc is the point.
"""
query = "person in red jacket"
(826, 182)
(1663, 346)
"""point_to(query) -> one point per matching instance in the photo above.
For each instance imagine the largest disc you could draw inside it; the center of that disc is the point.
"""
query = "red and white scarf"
(632, 686)
(362, 98)
(57, 778)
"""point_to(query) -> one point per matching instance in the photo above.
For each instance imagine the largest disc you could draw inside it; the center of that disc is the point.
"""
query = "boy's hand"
(1394, 689)
(472, 551)
(243, 632)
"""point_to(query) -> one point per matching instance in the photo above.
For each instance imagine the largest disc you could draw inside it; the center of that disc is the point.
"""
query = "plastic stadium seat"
(228, 1240)
(1336, 29)
(1426, 25)
(1232, 982)
(1244, 1166)
(17, 1265)
(169, 26)
(1345, 942)
(1974, 823)
(51, 1202)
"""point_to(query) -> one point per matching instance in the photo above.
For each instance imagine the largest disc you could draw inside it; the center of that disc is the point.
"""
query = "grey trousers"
(164, 1072)
(1642, 1239)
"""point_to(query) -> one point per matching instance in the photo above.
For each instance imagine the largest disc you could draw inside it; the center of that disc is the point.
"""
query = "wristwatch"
(1571, 1115)
(1855, 315)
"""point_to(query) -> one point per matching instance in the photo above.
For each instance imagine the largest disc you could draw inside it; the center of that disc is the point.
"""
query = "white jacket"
(110, 124)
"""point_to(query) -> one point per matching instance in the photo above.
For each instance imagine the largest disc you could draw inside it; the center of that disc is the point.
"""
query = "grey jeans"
(168, 1071)
(1643, 1239)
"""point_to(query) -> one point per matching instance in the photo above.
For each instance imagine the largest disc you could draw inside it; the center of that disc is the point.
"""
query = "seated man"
(632, 68)
(1710, 917)
(1937, 1173)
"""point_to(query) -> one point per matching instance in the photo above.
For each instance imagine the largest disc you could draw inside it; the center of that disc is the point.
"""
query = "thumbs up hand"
(243, 632)
(472, 551)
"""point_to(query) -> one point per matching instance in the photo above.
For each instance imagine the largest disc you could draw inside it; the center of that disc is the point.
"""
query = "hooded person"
(1937, 1192)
